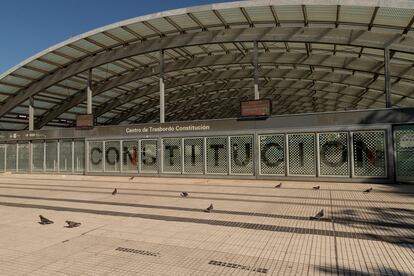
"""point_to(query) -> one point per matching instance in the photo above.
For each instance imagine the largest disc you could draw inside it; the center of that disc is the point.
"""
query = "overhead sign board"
(84, 120)
(256, 108)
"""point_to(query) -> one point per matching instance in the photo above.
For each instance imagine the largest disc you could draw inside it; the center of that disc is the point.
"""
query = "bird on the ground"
(115, 192)
(278, 185)
(132, 177)
(184, 194)
(318, 215)
(209, 208)
(316, 187)
(72, 224)
(368, 190)
(44, 220)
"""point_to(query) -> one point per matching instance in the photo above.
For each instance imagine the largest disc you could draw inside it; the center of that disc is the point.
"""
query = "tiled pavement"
(255, 229)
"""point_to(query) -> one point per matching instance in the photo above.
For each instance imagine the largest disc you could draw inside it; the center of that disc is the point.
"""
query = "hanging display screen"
(256, 108)
(84, 120)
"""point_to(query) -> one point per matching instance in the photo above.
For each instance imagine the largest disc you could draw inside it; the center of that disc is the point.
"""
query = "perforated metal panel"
(369, 153)
(130, 156)
(51, 155)
(23, 157)
(79, 156)
(112, 156)
(194, 155)
(272, 154)
(2, 157)
(38, 153)
(11, 157)
(149, 156)
(96, 156)
(404, 146)
(65, 156)
(302, 159)
(333, 154)
(171, 151)
(217, 155)
(241, 154)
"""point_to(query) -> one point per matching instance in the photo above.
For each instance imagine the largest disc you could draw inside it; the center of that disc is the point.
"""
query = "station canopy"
(312, 56)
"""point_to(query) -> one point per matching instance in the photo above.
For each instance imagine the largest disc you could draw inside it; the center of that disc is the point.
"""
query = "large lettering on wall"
(241, 154)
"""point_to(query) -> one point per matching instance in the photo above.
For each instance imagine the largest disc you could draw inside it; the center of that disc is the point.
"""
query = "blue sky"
(30, 26)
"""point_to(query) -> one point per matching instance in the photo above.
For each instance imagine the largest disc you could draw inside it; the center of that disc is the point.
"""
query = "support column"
(388, 101)
(89, 93)
(256, 73)
(31, 114)
(162, 88)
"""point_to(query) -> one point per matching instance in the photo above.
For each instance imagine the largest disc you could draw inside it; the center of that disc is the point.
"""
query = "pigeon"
(72, 224)
(184, 194)
(209, 208)
(132, 177)
(318, 215)
(278, 185)
(368, 190)
(44, 220)
(114, 192)
(316, 187)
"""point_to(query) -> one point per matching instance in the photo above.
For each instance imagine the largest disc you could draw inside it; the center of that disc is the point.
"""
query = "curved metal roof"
(314, 56)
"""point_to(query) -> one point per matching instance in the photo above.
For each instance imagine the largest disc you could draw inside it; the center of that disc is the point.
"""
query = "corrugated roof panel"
(71, 52)
(8, 89)
(207, 18)
(141, 29)
(321, 13)
(184, 21)
(29, 73)
(355, 14)
(122, 34)
(104, 39)
(56, 59)
(260, 14)
(16, 80)
(393, 16)
(232, 16)
(87, 46)
(289, 13)
(162, 25)
(42, 65)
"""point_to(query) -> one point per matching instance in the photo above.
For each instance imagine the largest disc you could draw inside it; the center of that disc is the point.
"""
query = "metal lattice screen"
(96, 156)
(11, 157)
(23, 157)
(404, 145)
(241, 153)
(112, 156)
(130, 156)
(217, 156)
(65, 156)
(272, 154)
(51, 155)
(171, 150)
(333, 154)
(38, 153)
(369, 153)
(302, 159)
(2, 157)
(194, 155)
(149, 156)
(79, 156)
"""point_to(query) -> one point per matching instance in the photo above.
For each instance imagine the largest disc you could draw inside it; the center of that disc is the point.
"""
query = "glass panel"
(112, 156)
(369, 153)
(2, 157)
(11, 157)
(51, 156)
(194, 155)
(23, 164)
(95, 156)
(302, 159)
(272, 154)
(149, 162)
(130, 156)
(65, 156)
(171, 155)
(38, 155)
(79, 156)
(404, 143)
(241, 151)
(217, 162)
(333, 154)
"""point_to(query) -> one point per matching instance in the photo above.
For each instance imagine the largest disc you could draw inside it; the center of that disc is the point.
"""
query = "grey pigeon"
(115, 192)
(44, 220)
(318, 215)
(316, 187)
(132, 177)
(209, 208)
(184, 194)
(368, 190)
(278, 185)
(72, 224)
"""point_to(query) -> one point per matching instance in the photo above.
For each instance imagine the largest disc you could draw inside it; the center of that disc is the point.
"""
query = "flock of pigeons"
(72, 224)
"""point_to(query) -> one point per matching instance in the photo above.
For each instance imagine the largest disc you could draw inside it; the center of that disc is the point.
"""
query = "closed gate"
(404, 147)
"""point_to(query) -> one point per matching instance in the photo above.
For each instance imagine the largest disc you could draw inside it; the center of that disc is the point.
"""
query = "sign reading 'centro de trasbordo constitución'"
(176, 128)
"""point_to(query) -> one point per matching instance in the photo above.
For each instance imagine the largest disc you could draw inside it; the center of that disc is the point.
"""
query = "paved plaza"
(254, 228)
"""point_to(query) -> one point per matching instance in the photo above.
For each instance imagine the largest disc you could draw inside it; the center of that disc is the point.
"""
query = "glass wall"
(78, 156)
(65, 156)
(11, 157)
(51, 156)
(23, 157)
